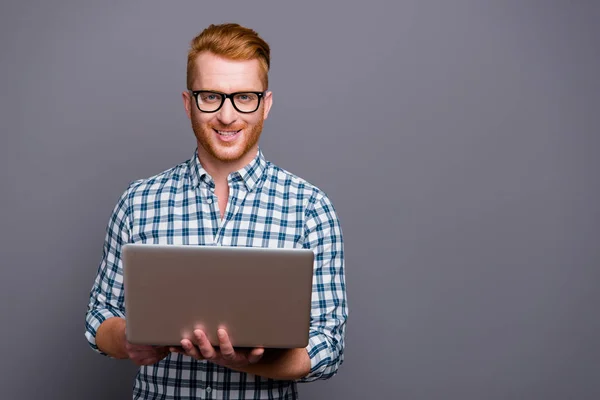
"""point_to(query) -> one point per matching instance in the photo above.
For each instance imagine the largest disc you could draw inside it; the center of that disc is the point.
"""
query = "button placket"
(207, 200)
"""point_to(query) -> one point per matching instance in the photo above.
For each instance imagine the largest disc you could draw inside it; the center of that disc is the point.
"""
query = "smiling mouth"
(227, 133)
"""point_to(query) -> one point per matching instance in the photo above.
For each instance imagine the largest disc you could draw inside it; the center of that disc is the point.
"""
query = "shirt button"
(209, 200)
(208, 389)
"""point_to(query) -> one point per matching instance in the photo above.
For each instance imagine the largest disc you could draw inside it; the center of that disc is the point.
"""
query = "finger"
(227, 350)
(207, 350)
(255, 355)
(177, 349)
(190, 349)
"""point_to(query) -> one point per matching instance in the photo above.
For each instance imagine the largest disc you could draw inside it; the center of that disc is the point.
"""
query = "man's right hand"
(111, 338)
(144, 354)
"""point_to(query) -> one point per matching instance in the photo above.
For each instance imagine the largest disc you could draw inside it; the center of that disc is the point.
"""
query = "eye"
(209, 97)
(246, 97)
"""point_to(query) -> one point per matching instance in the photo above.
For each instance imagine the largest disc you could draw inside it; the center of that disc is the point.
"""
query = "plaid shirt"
(267, 207)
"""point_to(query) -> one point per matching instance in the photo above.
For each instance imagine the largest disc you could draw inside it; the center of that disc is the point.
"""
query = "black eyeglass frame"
(225, 96)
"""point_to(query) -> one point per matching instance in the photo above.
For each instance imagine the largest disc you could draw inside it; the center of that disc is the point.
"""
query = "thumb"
(255, 355)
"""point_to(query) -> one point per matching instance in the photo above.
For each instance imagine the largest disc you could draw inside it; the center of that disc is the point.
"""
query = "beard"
(227, 151)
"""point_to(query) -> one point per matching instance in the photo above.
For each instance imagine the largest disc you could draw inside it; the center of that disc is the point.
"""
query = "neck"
(219, 170)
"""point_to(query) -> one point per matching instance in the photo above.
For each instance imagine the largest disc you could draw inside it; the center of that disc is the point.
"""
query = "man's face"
(227, 136)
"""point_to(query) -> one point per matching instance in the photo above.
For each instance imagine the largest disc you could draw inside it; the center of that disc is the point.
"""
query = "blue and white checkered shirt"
(267, 207)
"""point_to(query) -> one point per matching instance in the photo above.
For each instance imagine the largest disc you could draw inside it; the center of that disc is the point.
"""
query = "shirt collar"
(250, 175)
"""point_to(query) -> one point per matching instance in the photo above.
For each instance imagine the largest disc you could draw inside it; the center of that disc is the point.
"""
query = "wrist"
(121, 338)
(111, 338)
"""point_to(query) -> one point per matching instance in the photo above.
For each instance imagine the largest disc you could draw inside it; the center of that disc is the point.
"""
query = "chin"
(228, 155)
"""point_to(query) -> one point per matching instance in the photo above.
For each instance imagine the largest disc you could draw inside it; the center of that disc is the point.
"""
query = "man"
(226, 194)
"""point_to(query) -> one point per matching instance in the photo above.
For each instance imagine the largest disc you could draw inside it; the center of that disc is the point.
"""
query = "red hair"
(231, 41)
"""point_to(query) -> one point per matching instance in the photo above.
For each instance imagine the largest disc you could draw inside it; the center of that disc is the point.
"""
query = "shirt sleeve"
(106, 297)
(329, 309)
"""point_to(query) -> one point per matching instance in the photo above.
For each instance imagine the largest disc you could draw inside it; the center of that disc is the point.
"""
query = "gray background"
(458, 141)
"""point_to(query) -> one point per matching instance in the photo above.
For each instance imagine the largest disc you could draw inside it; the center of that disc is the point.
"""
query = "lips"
(227, 135)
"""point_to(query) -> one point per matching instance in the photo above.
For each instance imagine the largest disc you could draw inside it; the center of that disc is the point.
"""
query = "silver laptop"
(261, 296)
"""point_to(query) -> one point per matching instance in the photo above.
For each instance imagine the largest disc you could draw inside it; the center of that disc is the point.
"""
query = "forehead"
(217, 73)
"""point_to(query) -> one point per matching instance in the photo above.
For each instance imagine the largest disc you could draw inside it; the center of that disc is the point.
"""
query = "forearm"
(110, 337)
(281, 364)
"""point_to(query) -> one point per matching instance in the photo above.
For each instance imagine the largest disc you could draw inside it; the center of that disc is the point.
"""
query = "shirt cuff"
(323, 358)
(93, 321)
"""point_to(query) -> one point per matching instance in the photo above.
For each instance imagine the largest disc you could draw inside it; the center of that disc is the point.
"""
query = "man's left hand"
(200, 348)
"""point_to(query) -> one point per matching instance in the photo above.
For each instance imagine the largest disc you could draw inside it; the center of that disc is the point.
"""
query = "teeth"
(227, 133)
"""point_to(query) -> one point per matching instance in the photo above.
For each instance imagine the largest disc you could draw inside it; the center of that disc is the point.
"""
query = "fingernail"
(221, 333)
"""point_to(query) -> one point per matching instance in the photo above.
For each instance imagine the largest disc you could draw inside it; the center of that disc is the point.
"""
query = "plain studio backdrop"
(458, 141)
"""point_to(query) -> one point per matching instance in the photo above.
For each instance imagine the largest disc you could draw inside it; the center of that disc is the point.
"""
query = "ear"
(187, 103)
(268, 100)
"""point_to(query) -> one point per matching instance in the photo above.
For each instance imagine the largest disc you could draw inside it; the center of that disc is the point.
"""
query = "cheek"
(201, 119)
(254, 121)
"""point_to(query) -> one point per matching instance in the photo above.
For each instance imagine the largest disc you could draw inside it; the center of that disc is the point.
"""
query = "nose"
(227, 114)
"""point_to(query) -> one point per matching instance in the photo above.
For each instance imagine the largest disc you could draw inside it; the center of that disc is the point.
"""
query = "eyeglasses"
(209, 101)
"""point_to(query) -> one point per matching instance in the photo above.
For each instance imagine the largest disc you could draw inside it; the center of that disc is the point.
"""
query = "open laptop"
(261, 296)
